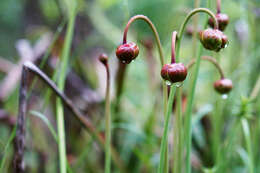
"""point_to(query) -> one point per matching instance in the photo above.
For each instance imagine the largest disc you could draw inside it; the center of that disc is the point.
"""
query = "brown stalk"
(210, 59)
(20, 132)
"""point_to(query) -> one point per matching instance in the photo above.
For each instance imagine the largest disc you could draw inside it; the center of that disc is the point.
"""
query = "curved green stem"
(61, 83)
(156, 35)
(178, 139)
(183, 26)
(159, 45)
(164, 141)
(210, 59)
(246, 132)
(189, 111)
(160, 49)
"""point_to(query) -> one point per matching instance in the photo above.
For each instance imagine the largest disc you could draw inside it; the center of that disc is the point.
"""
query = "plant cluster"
(175, 75)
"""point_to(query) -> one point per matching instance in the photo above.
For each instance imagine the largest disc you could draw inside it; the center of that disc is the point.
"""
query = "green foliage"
(225, 133)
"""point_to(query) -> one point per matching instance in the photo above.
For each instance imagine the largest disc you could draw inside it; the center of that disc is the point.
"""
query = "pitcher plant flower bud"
(213, 39)
(223, 86)
(222, 19)
(127, 52)
(175, 72)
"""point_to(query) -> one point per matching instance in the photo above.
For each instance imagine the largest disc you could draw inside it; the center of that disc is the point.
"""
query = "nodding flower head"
(103, 58)
(213, 39)
(175, 72)
(223, 86)
(127, 52)
(222, 19)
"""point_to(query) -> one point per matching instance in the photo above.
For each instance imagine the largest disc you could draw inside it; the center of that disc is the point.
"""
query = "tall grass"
(71, 7)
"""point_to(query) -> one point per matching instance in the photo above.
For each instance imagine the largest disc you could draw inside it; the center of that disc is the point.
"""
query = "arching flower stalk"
(104, 60)
(127, 52)
(173, 73)
(223, 85)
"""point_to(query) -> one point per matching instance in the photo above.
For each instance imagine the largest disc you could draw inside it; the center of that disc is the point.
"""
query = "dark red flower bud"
(223, 86)
(175, 72)
(127, 52)
(222, 19)
(103, 58)
(213, 39)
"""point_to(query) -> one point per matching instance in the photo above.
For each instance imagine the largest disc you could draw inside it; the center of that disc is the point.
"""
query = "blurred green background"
(99, 28)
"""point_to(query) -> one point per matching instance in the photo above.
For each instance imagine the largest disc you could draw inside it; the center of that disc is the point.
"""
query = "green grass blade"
(47, 122)
(61, 82)
(9, 142)
(164, 142)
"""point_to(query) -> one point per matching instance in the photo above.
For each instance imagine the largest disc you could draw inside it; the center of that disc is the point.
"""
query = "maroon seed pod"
(223, 86)
(175, 72)
(127, 52)
(103, 58)
(222, 19)
(213, 39)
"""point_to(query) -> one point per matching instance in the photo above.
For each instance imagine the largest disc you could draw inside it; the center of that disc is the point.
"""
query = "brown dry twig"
(20, 132)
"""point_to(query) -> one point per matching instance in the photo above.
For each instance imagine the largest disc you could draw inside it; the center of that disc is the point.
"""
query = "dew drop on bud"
(133, 60)
(123, 62)
(168, 83)
(226, 45)
(224, 96)
(178, 84)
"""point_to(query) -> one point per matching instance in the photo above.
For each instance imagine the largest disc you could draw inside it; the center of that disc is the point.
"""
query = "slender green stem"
(246, 131)
(61, 82)
(164, 141)
(194, 81)
(189, 111)
(177, 150)
(108, 124)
